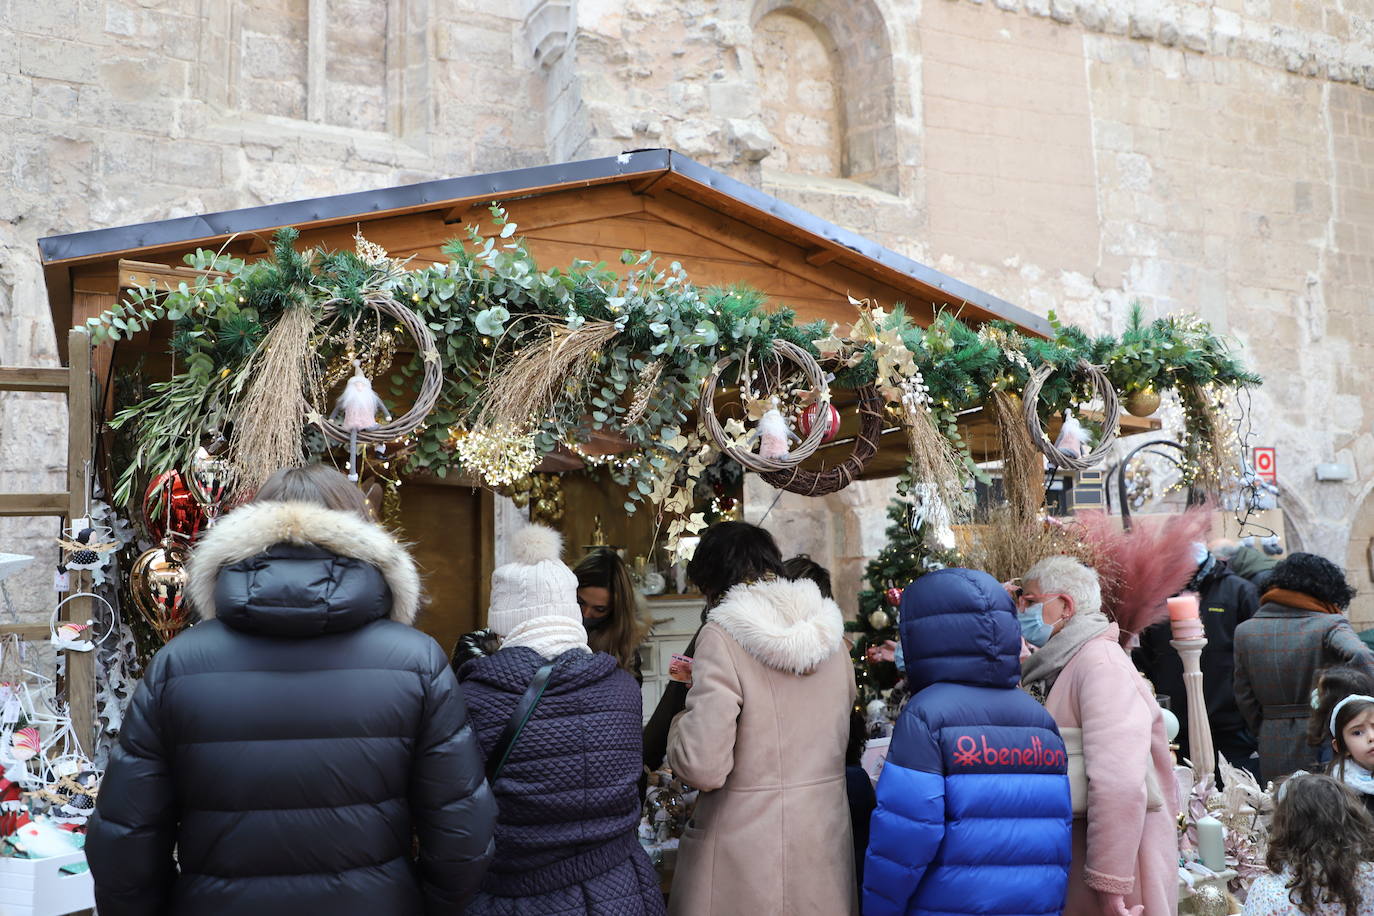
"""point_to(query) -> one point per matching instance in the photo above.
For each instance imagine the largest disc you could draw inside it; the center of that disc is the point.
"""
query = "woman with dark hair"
(304, 749)
(730, 549)
(1321, 841)
(803, 567)
(763, 737)
(610, 608)
(1299, 629)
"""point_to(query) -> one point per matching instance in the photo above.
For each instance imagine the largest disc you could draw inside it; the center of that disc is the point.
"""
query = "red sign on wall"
(1266, 464)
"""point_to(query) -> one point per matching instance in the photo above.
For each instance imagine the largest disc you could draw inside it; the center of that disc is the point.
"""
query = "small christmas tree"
(909, 554)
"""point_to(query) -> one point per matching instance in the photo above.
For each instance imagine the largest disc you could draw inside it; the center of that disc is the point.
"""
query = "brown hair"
(1334, 683)
(317, 484)
(1320, 834)
(1343, 718)
(626, 630)
(803, 567)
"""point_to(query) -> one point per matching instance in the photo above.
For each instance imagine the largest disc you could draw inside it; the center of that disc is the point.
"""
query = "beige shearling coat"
(763, 737)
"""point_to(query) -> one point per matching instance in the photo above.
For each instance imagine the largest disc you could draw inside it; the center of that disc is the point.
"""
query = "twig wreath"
(1111, 407)
(834, 479)
(810, 369)
(430, 384)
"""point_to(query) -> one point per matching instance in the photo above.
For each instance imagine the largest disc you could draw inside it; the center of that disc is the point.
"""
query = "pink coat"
(1124, 845)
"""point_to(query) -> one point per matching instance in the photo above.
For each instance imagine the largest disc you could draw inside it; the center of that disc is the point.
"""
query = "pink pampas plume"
(1150, 563)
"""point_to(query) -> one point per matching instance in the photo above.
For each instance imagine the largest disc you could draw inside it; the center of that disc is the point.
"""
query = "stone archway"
(855, 33)
(1359, 564)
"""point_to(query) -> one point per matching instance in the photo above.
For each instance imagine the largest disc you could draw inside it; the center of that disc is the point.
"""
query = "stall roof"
(651, 175)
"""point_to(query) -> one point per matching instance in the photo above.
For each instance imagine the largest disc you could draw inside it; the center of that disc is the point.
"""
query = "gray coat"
(1278, 652)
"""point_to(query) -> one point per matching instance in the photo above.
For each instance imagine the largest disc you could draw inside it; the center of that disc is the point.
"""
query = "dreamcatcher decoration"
(354, 418)
(772, 435)
(74, 636)
(271, 415)
(1059, 454)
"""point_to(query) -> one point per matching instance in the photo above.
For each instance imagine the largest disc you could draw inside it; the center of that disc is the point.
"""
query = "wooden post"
(80, 665)
(1200, 752)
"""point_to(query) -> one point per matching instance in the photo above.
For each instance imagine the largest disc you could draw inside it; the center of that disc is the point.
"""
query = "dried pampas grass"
(1022, 475)
(934, 460)
(269, 418)
(524, 390)
(1005, 545)
(1153, 561)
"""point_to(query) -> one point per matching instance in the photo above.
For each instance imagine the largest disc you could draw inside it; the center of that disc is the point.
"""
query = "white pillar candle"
(1211, 843)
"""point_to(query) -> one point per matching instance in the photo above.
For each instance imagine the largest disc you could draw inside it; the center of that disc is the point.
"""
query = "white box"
(37, 887)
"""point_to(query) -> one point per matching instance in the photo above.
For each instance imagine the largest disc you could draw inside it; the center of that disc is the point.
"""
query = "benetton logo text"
(967, 753)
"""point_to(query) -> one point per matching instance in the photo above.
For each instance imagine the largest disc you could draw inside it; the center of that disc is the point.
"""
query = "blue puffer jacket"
(974, 814)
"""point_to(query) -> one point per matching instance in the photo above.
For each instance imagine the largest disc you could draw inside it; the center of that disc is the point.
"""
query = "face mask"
(1033, 625)
(595, 623)
(1200, 553)
(898, 658)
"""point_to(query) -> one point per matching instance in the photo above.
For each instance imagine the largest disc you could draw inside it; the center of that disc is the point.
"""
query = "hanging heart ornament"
(169, 499)
(157, 581)
(210, 480)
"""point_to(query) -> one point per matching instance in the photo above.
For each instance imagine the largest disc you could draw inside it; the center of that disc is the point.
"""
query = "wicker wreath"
(433, 380)
(1111, 406)
(832, 480)
(782, 349)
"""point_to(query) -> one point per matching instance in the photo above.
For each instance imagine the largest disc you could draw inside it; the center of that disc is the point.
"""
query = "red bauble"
(187, 517)
(894, 596)
(727, 503)
(808, 417)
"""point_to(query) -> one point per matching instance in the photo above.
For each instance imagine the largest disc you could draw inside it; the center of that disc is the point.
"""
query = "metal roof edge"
(341, 206)
(92, 243)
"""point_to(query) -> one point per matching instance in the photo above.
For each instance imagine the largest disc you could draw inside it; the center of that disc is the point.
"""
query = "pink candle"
(1183, 607)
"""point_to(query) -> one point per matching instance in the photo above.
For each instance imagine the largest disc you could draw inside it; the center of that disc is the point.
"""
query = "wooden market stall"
(722, 231)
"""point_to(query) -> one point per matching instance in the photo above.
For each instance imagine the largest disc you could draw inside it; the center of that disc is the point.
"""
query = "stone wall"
(1073, 156)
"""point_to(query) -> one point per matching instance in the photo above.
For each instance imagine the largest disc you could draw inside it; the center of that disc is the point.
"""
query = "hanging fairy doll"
(359, 406)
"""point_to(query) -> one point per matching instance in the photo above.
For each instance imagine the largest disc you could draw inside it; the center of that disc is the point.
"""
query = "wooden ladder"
(75, 382)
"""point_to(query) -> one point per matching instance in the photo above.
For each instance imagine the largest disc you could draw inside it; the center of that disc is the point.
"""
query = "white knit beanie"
(536, 584)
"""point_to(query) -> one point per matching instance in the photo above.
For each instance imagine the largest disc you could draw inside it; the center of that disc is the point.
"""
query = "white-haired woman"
(1125, 848)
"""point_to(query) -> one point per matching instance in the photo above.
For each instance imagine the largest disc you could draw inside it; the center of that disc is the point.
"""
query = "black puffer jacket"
(291, 750)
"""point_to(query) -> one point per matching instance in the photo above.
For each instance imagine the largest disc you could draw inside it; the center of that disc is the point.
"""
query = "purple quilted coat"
(568, 797)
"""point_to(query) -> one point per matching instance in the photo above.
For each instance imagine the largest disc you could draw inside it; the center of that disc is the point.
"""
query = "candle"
(1211, 843)
(1183, 607)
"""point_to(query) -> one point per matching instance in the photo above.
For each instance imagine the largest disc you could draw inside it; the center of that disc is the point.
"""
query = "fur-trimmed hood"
(784, 624)
(252, 529)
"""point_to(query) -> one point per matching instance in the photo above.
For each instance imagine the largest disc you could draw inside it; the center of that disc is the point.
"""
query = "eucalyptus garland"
(491, 306)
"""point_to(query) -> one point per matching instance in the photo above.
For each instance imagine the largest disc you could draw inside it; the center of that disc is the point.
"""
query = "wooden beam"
(80, 665)
(26, 378)
(819, 257)
(32, 505)
(646, 185)
(459, 213)
(26, 632)
(142, 273)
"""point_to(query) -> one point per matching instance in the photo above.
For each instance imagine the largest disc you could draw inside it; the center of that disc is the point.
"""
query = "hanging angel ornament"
(358, 406)
(1074, 439)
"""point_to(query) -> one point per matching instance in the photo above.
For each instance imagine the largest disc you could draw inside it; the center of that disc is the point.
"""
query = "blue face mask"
(1033, 625)
(899, 659)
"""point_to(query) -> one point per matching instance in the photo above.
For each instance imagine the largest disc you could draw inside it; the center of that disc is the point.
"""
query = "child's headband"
(1350, 699)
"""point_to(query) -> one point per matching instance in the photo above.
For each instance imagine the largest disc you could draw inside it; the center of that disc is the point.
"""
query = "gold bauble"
(880, 619)
(1142, 403)
(157, 581)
